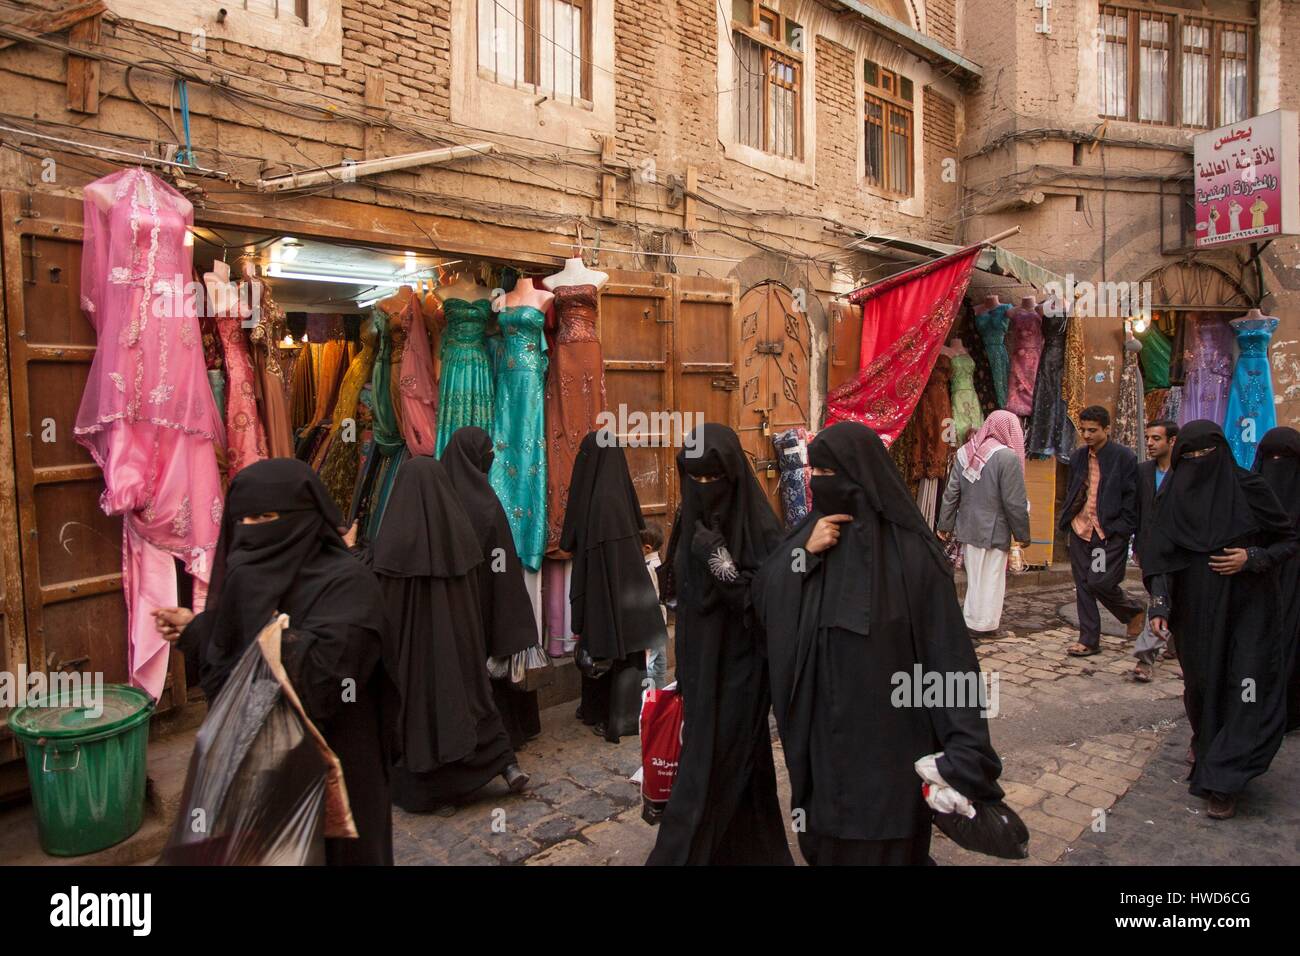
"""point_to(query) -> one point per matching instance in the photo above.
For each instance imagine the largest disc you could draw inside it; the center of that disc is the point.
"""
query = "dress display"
(340, 454)
(966, 412)
(272, 379)
(465, 388)
(1156, 352)
(416, 399)
(1251, 411)
(992, 325)
(1025, 343)
(1208, 364)
(575, 395)
(147, 414)
(1129, 411)
(1051, 431)
(245, 440)
(929, 456)
(519, 470)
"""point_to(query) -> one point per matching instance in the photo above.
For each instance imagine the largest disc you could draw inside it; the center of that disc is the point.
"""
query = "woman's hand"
(1230, 562)
(350, 536)
(826, 533)
(171, 621)
(1159, 627)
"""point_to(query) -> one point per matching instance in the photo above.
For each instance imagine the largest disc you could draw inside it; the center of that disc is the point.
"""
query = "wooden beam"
(608, 182)
(83, 71)
(45, 22)
(689, 217)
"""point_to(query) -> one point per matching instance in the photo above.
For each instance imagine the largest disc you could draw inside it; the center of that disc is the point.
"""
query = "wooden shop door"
(774, 382)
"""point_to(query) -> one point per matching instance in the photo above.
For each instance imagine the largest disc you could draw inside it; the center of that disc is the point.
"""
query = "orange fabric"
(1085, 522)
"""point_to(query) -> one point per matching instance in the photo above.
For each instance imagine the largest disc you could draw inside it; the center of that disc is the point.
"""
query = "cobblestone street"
(1083, 747)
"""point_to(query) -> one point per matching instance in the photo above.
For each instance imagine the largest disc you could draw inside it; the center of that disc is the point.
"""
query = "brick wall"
(941, 21)
(942, 198)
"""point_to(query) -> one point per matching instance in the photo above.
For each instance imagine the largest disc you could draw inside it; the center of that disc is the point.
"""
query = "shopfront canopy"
(995, 260)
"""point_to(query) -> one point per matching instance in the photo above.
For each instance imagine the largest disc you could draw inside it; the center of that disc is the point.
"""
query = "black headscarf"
(1208, 502)
(614, 606)
(508, 615)
(297, 565)
(1277, 459)
(600, 474)
(426, 532)
(734, 506)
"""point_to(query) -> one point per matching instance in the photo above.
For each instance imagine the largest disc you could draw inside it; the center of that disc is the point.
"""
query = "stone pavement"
(1074, 734)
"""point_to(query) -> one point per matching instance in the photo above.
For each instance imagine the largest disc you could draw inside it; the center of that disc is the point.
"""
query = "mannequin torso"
(575, 272)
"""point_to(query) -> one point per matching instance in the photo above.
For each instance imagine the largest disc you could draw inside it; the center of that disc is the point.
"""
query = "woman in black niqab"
(297, 564)
(724, 807)
(506, 608)
(1278, 460)
(615, 610)
(427, 557)
(850, 629)
(1218, 538)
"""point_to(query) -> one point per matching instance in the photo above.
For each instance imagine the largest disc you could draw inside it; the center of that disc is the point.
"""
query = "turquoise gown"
(992, 326)
(518, 473)
(1251, 411)
(466, 386)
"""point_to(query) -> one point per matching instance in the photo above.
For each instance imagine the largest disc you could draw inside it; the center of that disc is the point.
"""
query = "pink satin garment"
(147, 414)
(416, 385)
(245, 437)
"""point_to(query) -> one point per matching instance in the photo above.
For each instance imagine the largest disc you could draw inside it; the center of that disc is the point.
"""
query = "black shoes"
(515, 778)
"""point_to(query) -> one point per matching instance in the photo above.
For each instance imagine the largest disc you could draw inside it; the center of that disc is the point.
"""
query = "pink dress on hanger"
(147, 415)
(245, 438)
(415, 383)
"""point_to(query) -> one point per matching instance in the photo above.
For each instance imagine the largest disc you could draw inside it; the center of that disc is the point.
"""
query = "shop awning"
(994, 260)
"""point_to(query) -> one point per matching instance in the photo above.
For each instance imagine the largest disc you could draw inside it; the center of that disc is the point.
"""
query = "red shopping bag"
(661, 748)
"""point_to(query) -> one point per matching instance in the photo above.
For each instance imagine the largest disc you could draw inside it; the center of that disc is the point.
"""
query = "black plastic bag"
(263, 788)
(995, 830)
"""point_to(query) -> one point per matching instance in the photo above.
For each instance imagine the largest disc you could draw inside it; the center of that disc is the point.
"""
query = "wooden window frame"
(1178, 18)
(886, 93)
(776, 52)
(531, 72)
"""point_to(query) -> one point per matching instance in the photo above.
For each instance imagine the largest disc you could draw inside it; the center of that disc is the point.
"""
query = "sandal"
(1142, 672)
(1082, 650)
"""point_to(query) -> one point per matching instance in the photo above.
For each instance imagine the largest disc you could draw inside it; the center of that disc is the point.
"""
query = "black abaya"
(849, 632)
(298, 565)
(427, 558)
(724, 807)
(1278, 460)
(506, 608)
(1228, 627)
(615, 610)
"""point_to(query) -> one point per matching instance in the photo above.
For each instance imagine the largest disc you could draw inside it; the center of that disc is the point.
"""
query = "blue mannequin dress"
(992, 326)
(466, 385)
(1251, 411)
(518, 473)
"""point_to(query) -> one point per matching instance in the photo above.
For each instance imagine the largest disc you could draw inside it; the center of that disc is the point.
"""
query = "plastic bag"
(263, 788)
(994, 830)
(661, 749)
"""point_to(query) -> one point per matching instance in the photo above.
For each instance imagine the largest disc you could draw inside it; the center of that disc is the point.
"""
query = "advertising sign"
(1247, 181)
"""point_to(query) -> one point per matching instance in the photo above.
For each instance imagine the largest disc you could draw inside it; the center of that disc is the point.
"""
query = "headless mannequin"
(575, 272)
(396, 302)
(1029, 302)
(525, 292)
(990, 302)
(464, 287)
(223, 294)
(1256, 314)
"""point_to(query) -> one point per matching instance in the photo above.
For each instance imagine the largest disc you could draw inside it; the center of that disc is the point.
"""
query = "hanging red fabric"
(905, 320)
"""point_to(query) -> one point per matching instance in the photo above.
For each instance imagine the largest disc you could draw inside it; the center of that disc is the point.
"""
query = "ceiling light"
(275, 271)
(289, 249)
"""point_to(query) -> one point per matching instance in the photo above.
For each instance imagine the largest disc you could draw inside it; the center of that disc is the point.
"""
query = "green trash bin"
(87, 771)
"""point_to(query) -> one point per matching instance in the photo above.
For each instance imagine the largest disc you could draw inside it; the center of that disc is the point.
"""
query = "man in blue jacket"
(1099, 517)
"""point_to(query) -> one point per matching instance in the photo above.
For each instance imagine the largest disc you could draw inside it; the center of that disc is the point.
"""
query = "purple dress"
(1209, 370)
(1025, 342)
